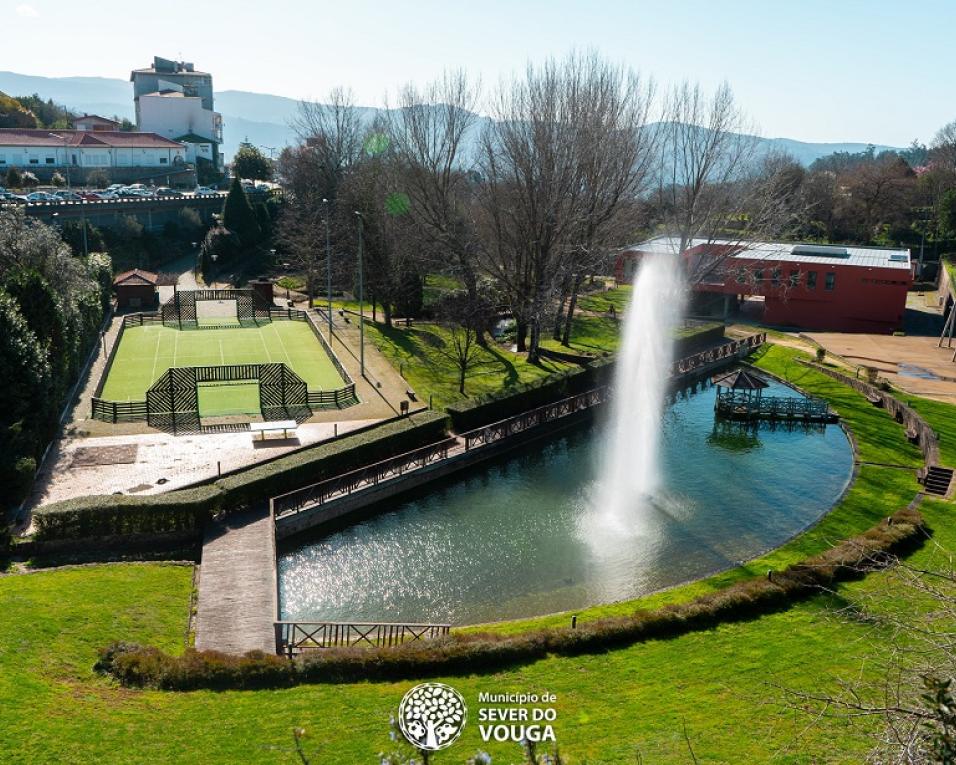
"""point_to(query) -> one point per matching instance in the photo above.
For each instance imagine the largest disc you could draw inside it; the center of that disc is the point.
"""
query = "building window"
(741, 275)
(758, 275)
(3, 159)
(775, 277)
(794, 278)
(50, 160)
(34, 160)
(811, 280)
(830, 282)
(163, 160)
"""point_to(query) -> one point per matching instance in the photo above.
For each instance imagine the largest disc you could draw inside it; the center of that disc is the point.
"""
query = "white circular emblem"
(432, 716)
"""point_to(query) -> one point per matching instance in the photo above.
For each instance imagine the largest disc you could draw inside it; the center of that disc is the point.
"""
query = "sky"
(813, 70)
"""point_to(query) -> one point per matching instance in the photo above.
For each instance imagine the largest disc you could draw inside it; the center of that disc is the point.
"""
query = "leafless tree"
(563, 157)
(943, 147)
(456, 314)
(428, 132)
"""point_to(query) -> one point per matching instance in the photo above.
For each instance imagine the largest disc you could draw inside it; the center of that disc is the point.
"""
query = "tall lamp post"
(328, 266)
(361, 286)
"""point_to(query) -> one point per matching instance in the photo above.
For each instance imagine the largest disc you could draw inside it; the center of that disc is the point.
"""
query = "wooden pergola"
(743, 388)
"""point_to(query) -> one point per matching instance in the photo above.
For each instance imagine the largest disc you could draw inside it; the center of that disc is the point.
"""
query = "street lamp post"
(328, 266)
(361, 286)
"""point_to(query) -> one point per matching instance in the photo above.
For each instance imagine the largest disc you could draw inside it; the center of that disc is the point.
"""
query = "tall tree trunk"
(572, 304)
(471, 287)
(521, 333)
(533, 357)
(387, 312)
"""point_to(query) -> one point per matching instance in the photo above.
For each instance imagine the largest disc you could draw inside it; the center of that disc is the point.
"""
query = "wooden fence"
(296, 637)
(371, 475)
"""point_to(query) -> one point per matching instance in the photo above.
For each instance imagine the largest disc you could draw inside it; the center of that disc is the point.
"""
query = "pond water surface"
(519, 536)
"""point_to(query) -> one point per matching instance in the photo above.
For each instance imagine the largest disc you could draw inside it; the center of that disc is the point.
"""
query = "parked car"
(67, 196)
(114, 187)
(9, 196)
(205, 191)
(165, 191)
(41, 196)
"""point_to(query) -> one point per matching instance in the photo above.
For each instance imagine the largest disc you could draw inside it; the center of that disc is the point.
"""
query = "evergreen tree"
(238, 215)
(251, 163)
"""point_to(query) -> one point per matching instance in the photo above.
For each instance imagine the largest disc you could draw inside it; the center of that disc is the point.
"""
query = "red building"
(810, 286)
(136, 290)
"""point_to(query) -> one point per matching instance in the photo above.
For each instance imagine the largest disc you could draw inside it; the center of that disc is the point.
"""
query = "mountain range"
(264, 119)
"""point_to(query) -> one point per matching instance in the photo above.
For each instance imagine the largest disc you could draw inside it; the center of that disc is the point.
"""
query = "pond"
(519, 536)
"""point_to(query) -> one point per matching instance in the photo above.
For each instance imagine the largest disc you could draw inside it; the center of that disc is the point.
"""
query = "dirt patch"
(94, 456)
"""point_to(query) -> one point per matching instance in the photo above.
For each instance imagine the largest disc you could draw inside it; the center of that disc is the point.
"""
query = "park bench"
(274, 426)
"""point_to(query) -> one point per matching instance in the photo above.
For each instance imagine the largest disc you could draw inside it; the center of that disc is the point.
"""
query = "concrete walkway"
(237, 595)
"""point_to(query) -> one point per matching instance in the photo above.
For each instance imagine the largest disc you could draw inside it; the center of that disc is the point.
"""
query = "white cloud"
(27, 11)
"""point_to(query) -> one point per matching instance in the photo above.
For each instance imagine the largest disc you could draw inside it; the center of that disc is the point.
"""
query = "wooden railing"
(717, 353)
(371, 475)
(488, 434)
(295, 637)
(736, 404)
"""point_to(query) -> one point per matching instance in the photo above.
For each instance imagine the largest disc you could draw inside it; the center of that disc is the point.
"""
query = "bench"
(411, 394)
(274, 426)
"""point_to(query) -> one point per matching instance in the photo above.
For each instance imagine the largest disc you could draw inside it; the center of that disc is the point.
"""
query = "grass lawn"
(146, 352)
(724, 686)
(413, 352)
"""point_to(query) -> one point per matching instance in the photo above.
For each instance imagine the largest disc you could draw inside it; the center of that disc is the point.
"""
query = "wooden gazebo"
(739, 392)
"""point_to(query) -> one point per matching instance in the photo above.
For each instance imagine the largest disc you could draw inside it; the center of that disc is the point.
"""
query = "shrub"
(330, 459)
(871, 374)
(138, 666)
(14, 178)
(102, 516)
(58, 180)
(821, 354)
(98, 179)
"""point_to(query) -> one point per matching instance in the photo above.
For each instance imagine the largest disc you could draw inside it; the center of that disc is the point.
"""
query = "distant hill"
(264, 119)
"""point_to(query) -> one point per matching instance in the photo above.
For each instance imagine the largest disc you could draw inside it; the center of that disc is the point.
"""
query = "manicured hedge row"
(136, 666)
(112, 515)
(126, 514)
(482, 410)
(326, 460)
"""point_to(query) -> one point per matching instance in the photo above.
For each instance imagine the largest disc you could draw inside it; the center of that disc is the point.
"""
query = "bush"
(481, 410)
(14, 179)
(122, 514)
(137, 666)
(821, 354)
(871, 374)
(327, 460)
(98, 179)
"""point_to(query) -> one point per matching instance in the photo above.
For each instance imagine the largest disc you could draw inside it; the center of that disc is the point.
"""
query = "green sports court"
(146, 352)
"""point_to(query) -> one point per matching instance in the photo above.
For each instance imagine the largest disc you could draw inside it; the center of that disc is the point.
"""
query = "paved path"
(237, 597)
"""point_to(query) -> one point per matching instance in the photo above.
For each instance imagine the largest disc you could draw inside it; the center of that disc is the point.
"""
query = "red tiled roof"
(114, 138)
(95, 117)
(136, 276)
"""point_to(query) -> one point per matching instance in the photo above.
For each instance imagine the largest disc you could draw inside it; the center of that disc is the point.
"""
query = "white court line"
(286, 352)
(222, 356)
(152, 377)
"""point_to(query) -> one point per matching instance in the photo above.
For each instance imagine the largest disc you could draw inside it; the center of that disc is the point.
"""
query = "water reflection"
(522, 535)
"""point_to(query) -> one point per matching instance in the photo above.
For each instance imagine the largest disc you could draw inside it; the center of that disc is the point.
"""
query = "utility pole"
(328, 266)
(361, 286)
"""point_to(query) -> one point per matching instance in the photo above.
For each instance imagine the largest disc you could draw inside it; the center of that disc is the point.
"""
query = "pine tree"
(238, 215)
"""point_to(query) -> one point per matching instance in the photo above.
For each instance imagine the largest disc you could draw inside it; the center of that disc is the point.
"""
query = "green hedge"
(327, 460)
(187, 509)
(136, 666)
(482, 410)
(101, 516)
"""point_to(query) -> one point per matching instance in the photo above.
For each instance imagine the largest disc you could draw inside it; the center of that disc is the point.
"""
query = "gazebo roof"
(741, 379)
(137, 276)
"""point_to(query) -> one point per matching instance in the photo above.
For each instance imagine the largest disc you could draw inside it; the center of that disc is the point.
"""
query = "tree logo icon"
(432, 716)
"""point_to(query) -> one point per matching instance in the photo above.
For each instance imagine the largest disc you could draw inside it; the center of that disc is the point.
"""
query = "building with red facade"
(810, 286)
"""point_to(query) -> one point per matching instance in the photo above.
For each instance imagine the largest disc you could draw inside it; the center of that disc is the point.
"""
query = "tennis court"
(146, 352)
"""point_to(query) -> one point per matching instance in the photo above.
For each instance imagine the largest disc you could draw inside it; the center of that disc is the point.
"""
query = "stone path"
(237, 589)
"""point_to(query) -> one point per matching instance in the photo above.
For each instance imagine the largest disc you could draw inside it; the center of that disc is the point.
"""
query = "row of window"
(88, 159)
(829, 282)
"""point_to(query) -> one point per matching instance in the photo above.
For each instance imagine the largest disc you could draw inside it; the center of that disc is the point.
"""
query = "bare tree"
(549, 197)
(429, 131)
(462, 319)
(943, 147)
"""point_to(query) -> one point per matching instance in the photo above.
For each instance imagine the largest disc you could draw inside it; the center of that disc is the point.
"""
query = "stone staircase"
(938, 480)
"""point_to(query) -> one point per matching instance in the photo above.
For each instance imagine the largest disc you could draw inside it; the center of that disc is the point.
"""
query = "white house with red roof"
(38, 149)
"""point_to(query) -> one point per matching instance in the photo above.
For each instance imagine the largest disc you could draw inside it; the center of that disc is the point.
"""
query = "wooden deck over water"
(741, 406)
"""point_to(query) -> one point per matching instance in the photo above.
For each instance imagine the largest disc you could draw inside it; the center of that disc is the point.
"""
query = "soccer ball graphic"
(432, 716)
